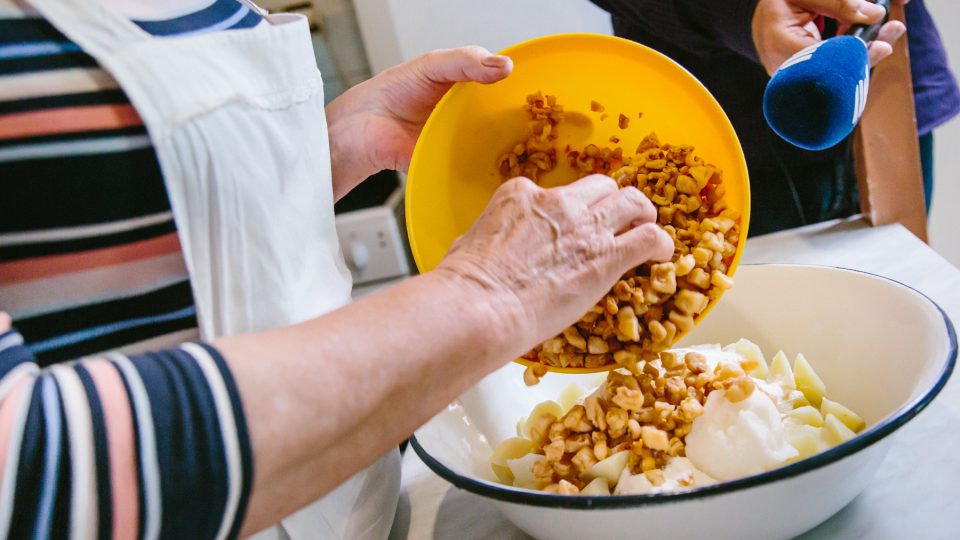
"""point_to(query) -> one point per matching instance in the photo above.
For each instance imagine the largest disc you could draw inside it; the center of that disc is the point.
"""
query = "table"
(916, 493)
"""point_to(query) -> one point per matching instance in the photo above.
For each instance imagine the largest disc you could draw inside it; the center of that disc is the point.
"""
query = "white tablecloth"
(916, 494)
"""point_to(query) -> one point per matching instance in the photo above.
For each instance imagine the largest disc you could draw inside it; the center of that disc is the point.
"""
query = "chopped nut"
(533, 374)
(600, 450)
(721, 280)
(554, 345)
(626, 359)
(676, 389)
(596, 106)
(663, 277)
(583, 459)
(696, 362)
(595, 413)
(655, 476)
(690, 302)
(739, 389)
(627, 324)
(623, 121)
(574, 338)
(654, 438)
(671, 360)
(576, 442)
(728, 371)
(596, 345)
(631, 400)
(554, 450)
(617, 420)
(690, 409)
(576, 420)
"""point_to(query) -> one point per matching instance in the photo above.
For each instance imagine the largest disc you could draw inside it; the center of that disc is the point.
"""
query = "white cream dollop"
(733, 440)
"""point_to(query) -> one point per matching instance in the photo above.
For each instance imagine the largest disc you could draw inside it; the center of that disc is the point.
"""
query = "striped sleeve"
(149, 446)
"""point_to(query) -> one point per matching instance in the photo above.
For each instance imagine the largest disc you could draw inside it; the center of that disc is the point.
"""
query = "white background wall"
(945, 214)
(397, 30)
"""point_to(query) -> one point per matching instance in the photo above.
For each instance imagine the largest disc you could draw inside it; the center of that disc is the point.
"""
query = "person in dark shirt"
(732, 47)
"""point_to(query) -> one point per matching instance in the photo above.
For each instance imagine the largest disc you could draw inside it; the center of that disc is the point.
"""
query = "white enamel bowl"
(882, 348)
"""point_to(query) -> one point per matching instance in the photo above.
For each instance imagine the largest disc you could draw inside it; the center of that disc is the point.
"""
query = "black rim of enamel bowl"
(581, 502)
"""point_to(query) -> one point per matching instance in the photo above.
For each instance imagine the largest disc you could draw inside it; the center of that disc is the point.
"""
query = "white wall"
(397, 30)
(945, 214)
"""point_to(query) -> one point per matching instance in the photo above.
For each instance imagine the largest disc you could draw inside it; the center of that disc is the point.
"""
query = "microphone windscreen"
(817, 96)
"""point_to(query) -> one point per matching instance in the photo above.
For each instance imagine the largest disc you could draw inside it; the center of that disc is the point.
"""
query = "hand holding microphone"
(816, 97)
(781, 28)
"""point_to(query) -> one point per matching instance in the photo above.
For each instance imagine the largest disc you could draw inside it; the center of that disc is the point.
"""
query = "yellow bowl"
(453, 173)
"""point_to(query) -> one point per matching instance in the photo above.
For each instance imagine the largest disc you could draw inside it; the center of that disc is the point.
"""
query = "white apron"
(237, 121)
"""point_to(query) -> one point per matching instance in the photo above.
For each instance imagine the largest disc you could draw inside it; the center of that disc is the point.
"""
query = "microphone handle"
(869, 33)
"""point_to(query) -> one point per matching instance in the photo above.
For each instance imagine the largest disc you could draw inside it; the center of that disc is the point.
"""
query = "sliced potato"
(608, 469)
(797, 399)
(751, 351)
(780, 372)
(806, 415)
(521, 470)
(511, 448)
(504, 475)
(551, 408)
(597, 486)
(808, 381)
(835, 431)
(794, 399)
(849, 418)
(570, 395)
(808, 440)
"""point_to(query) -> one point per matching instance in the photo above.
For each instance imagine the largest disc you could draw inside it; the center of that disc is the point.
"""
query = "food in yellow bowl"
(689, 418)
(653, 305)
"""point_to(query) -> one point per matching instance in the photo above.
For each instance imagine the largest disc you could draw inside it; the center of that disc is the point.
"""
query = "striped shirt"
(116, 447)
(126, 444)
(90, 260)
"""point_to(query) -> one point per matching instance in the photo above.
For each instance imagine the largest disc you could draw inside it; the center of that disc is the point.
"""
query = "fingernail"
(495, 61)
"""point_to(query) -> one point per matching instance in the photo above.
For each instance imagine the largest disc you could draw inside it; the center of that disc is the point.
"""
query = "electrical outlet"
(372, 244)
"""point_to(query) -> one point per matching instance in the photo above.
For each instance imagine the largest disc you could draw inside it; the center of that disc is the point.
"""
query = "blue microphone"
(817, 96)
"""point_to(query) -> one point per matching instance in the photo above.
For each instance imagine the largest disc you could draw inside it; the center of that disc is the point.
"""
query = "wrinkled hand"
(555, 252)
(375, 125)
(782, 28)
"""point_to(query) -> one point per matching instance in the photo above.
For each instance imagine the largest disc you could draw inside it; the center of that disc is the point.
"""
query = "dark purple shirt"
(712, 39)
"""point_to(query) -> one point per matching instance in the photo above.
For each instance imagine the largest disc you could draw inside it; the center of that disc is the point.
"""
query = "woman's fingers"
(5, 321)
(627, 207)
(882, 47)
(590, 189)
(464, 64)
(646, 242)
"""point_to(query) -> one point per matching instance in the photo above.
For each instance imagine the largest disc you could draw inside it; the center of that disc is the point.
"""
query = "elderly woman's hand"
(375, 125)
(782, 28)
(554, 252)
